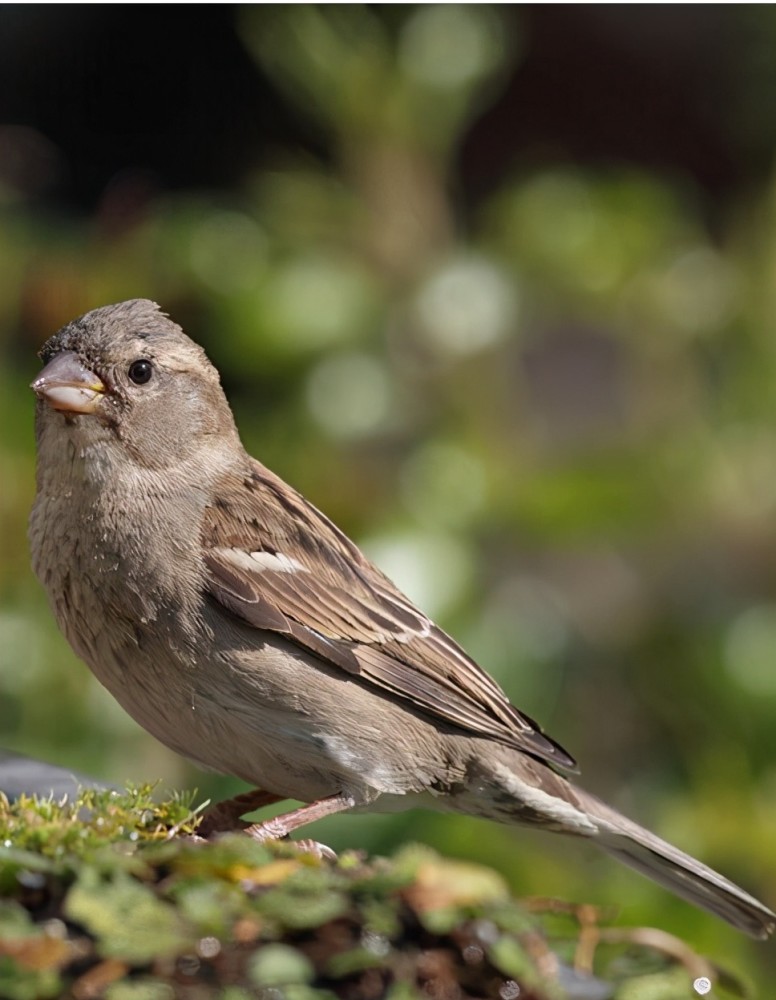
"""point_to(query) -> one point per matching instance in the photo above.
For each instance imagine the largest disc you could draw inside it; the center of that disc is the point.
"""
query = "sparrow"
(240, 627)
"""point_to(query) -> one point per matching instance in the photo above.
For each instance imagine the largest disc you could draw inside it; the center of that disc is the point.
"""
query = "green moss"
(57, 829)
(115, 889)
(127, 917)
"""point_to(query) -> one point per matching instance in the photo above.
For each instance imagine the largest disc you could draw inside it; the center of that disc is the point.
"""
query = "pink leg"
(281, 826)
(224, 816)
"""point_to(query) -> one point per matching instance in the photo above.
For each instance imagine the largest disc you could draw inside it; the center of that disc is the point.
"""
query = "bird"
(243, 629)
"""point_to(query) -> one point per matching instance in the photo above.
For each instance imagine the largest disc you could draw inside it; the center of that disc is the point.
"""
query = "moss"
(114, 896)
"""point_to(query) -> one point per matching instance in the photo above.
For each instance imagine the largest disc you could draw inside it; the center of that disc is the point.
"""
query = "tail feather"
(676, 871)
(532, 793)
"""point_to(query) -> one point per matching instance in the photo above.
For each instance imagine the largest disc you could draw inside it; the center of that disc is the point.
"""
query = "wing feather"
(280, 565)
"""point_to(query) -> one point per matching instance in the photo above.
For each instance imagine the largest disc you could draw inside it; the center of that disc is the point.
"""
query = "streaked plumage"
(238, 625)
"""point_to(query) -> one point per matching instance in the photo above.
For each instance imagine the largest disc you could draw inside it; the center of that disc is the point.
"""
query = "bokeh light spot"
(468, 304)
(228, 252)
(449, 46)
(349, 395)
(314, 302)
(749, 650)
(443, 484)
(433, 570)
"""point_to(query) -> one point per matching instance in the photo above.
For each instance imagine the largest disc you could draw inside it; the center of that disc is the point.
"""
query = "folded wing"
(280, 565)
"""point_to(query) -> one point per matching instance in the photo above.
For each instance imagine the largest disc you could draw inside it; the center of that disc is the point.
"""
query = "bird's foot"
(281, 826)
(263, 832)
(224, 817)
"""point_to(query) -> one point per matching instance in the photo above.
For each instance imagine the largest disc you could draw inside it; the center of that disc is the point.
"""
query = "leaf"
(28, 944)
(94, 982)
(41, 952)
(279, 965)
(209, 906)
(346, 963)
(673, 984)
(444, 884)
(126, 918)
(140, 989)
(18, 983)
(15, 921)
(299, 910)
(270, 874)
(509, 956)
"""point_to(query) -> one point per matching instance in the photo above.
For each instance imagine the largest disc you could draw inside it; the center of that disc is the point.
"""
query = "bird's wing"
(278, 564)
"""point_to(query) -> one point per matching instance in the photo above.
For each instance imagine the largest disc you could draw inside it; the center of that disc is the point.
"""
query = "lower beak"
(67, 385)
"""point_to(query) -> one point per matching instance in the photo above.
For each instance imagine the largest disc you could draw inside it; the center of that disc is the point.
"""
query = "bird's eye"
(141, 371)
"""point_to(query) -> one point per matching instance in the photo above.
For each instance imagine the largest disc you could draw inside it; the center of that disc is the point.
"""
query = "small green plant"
(60, 828)
(113, 895)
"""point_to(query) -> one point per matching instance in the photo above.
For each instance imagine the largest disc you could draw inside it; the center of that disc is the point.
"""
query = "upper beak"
(67, 385)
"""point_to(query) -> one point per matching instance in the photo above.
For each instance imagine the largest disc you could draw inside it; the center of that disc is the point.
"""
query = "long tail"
(541, 797)
(676, 871)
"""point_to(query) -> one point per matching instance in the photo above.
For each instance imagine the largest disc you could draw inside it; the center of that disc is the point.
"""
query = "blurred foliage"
(550, 417)
(109, 894)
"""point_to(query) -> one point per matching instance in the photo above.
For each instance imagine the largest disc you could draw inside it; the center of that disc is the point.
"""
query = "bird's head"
(126, 378)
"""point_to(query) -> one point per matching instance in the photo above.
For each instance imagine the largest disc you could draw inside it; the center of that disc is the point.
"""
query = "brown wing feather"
(310, 583)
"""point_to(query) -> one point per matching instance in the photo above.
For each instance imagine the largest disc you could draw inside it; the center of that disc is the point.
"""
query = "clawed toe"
(263, 832)
(225, 816)
(318, 850)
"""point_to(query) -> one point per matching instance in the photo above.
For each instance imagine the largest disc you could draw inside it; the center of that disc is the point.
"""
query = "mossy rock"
(113, 895)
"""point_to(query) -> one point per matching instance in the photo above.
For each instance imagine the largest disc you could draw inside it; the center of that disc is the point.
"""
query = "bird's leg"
(281, 826)
(224, 816)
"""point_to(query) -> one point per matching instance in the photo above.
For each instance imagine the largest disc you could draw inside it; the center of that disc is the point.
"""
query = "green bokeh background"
(548, 413)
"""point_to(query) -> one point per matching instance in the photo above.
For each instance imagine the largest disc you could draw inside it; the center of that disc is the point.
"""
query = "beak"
(66, 385)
